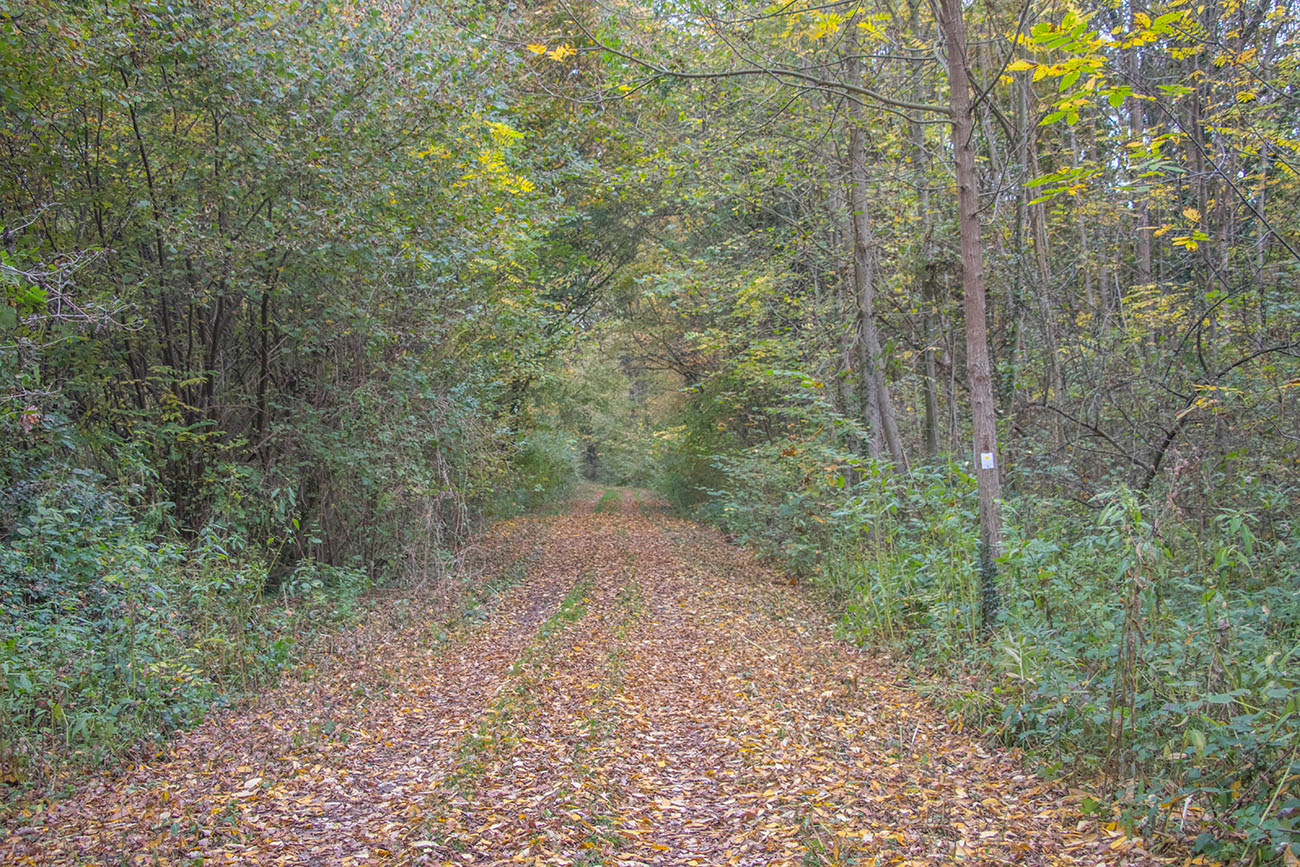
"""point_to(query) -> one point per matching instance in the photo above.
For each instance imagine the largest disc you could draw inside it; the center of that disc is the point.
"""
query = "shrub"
(117, 636)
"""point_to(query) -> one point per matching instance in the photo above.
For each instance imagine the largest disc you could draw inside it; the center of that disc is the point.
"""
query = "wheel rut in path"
(644, 695)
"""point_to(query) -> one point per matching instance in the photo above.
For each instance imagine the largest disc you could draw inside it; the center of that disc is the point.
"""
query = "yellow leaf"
(1192, 214)
(537, 48)
(1020, 65)
(1165, 228)
(562, 52)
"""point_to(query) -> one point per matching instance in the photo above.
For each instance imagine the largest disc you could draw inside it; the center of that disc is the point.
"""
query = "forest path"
(627, 690)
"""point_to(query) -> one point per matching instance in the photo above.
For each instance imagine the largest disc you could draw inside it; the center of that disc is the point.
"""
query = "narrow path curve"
(635, 692)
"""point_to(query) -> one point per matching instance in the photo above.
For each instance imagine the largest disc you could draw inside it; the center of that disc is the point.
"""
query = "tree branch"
(779, 73)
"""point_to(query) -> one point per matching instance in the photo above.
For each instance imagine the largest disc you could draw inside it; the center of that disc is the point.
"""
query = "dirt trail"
(640, 694)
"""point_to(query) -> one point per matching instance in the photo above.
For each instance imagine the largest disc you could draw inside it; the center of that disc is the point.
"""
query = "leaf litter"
(640, 693)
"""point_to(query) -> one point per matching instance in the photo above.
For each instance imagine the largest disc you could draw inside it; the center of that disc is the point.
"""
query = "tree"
(983, 404)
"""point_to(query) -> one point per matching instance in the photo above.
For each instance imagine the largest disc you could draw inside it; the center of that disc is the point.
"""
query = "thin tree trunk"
(929, 293)
(1142, 215)
(864, 276)
(844, 303)
(983, 411)
(1055, 384)
(264, 377)
(1083, 257)
(930, 367)
(854, 354)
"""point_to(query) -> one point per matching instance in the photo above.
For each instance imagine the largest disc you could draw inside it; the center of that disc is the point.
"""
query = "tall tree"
(983, 405)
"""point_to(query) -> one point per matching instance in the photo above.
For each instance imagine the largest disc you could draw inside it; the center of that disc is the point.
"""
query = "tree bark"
(926, 270)
(847, 366)
(983, 412)
(882, 416)
(930, 368)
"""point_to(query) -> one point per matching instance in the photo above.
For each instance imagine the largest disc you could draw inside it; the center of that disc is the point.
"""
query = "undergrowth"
(119, 632)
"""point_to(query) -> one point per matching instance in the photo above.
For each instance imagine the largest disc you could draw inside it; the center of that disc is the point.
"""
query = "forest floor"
(623, 688)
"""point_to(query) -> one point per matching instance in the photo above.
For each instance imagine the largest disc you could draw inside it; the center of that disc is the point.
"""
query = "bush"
(545, 465)
(116, 637)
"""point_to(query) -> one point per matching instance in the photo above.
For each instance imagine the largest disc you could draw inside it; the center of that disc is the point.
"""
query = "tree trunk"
(850, 346)
(1055, 379)
(984, 422)
(874, 386)
(844, 365)
(930, 368)
(927, 270)
(1142, 213)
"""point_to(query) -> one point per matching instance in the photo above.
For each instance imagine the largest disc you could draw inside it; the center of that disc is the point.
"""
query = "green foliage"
(1211, 719)
(1131, 642)
(544, 467)
(115, 637)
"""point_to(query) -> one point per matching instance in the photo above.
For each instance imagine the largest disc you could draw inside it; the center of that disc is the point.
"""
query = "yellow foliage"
(826, 25)
(874, 26)
(434, 150)
(1151, 307)
(503, 135)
